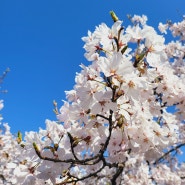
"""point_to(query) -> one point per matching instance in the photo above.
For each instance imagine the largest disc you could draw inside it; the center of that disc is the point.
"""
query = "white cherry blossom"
(123, 121)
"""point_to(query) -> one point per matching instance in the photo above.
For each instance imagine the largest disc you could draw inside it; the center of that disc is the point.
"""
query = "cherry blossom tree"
(122, 123)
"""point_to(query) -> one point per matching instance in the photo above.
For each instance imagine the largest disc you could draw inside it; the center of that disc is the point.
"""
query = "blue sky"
(40, 41)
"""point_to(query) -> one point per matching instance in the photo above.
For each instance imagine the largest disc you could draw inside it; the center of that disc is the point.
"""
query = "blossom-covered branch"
(123, 120)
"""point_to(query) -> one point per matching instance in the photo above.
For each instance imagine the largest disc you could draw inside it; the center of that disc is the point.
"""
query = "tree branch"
(167, 153)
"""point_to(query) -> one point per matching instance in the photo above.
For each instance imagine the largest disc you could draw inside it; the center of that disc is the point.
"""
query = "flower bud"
(114, 17)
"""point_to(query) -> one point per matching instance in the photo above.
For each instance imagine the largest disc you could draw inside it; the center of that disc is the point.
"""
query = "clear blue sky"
(40, 41)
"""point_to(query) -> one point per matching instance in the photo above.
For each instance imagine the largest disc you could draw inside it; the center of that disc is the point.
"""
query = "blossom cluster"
(120, 124)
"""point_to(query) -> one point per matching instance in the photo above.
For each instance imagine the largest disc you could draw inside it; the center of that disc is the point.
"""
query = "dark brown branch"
(117, 39)
(76, 179)
(72, 145)
(88, 161)
(117, 174)
(167, 153)
(99, 115)
(99, 157)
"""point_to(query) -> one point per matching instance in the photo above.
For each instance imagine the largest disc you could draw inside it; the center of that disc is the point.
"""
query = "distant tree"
(124, 120)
